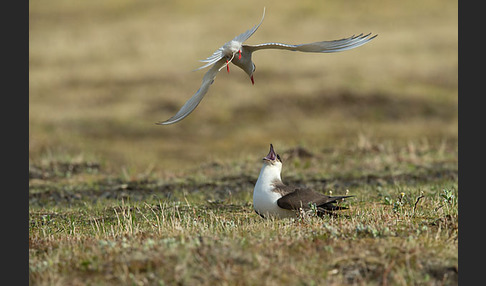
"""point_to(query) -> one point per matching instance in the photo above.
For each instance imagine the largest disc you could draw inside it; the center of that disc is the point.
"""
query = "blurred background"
(101, 73)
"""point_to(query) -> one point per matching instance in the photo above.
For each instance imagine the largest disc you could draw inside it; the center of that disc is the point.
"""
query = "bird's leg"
(227, 63)
(239, 54)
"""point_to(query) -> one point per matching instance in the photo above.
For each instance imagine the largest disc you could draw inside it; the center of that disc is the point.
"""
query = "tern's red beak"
(252, 81)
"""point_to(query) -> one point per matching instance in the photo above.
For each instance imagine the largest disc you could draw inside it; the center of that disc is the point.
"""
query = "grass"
(173, 243)
(115, 199)
(401, 228)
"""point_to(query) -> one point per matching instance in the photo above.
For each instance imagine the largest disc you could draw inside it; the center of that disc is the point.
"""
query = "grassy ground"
(401, 228)
(115, 198)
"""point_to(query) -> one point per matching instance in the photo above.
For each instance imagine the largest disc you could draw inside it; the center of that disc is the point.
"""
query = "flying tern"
(239, 54)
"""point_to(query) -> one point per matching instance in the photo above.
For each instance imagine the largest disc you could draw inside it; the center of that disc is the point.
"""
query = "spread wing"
(194, 101)
(219, 54)
(246, 35)
(318, 47)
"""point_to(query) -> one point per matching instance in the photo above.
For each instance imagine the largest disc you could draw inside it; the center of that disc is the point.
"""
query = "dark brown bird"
(271, 197)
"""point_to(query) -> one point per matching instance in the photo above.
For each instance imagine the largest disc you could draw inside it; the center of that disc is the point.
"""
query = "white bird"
(234, 51)
(272, 198)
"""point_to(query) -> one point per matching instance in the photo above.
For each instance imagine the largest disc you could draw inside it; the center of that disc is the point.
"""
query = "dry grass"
(407, 241)
(401, 228)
